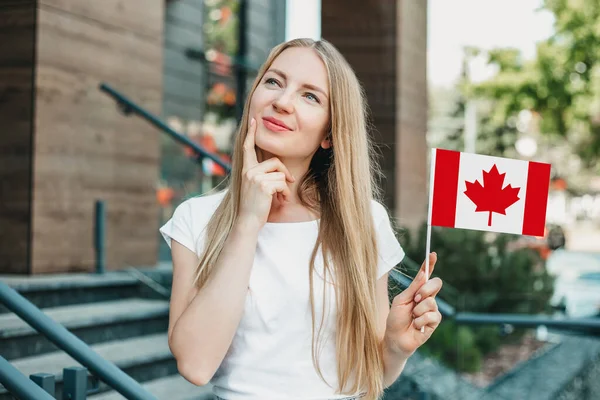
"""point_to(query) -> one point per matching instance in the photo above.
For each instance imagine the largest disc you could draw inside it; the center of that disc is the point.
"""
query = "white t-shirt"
(270, 355)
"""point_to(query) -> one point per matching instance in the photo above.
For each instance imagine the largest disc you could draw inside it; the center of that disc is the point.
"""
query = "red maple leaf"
(491, 197)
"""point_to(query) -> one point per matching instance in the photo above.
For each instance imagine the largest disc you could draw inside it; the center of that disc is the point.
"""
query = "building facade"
(66, 145)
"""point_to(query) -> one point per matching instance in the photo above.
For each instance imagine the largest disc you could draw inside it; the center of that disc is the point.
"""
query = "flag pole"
(428, 241)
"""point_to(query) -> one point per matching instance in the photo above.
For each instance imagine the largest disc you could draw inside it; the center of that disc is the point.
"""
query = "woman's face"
(291, 106)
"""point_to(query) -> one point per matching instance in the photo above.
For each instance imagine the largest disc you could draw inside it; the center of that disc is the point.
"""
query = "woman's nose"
(284, 102)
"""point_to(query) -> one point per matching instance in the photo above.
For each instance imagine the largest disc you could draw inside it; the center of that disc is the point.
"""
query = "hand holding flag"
(412, 310)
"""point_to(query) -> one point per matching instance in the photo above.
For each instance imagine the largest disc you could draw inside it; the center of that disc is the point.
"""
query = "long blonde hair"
(340, 185)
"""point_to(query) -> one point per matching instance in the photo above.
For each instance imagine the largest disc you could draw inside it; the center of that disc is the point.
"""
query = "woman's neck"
(290, 213)
(293, 210)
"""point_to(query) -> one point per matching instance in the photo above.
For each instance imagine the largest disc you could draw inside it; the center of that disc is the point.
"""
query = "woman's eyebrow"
(306, 85)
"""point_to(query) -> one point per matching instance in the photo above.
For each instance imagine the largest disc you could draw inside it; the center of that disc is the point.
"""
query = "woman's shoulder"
(379, 211)
(206, 200)
(198, 206)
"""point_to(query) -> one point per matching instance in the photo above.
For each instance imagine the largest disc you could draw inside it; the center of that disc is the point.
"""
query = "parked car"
(573, 262)
(577, 294)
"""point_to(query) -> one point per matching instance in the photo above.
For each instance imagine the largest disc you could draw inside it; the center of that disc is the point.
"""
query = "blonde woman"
(280, 280)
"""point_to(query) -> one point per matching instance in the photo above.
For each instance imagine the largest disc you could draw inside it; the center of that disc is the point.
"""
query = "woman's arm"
(413, 309)
(393, 363)
(202, 323)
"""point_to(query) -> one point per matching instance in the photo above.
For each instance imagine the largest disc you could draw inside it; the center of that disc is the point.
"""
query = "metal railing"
(100, 235)
(589, 325)
(579, 325)
(129, 107)
(18, 384)
(72, 345)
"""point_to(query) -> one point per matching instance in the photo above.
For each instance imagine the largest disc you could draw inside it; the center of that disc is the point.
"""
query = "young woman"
(280, 281)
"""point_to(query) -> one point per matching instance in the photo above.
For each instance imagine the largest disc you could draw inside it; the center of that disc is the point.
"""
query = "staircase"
(119, 316)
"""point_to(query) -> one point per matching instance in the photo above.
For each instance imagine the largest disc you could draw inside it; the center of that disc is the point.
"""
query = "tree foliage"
(496, 133)
(562, 83)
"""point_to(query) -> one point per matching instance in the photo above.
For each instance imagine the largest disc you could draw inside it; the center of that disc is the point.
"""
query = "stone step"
(143, 358)
(171, 387)
(92, 323)
(47, 291)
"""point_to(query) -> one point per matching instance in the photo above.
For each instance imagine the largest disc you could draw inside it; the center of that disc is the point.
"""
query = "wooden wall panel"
(385, 42)
(137, 16)
(366, 36)
(17, 66)
(411, 148)
(85, 149)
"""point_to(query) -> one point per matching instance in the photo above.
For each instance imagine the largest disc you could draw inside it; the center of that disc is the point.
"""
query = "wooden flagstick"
(428, 242)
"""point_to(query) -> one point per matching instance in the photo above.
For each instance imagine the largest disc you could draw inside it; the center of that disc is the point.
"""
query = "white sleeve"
(390, 251)
(179, 227)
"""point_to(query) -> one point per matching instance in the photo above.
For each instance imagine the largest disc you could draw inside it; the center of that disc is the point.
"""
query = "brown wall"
(412, 157)
(385, 42)
(83, 148)
(17, 59)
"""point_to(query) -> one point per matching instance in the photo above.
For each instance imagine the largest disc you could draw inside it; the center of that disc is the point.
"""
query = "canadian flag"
(473, 191)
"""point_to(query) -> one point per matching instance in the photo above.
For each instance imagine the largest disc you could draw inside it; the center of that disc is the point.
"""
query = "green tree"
(455, 140)
(496, 134)
(562, 83)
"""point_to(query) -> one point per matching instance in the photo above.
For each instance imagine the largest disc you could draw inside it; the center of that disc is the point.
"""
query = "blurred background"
(115, 112)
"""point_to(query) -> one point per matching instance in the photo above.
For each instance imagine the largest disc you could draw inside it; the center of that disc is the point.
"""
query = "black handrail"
(237, 61)
(588, 325)
(241, 71)
(128, 107)
(17, 384)
(100, 236)
(72, 345)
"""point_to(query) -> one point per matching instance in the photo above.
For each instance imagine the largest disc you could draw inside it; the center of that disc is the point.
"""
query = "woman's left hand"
(412, 309)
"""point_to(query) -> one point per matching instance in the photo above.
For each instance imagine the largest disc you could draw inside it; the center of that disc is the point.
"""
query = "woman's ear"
(326, 143)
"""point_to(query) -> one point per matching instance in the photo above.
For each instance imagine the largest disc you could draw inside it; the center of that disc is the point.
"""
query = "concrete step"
(47, 291)
(143, 358)
(172, 387)
(92, 323)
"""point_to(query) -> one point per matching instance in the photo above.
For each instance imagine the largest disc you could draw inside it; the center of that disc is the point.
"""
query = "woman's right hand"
(260, 182)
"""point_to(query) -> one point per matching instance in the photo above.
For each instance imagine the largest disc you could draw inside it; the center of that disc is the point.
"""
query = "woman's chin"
(271, 149)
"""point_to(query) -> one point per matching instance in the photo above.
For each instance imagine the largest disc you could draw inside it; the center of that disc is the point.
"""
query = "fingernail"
(418, 298)
(252, 121)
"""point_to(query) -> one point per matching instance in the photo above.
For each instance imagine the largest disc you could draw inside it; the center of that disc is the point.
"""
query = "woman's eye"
(271, 80)
(313, 97)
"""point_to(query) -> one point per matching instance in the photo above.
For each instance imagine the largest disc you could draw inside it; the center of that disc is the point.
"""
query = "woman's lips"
(272, 126)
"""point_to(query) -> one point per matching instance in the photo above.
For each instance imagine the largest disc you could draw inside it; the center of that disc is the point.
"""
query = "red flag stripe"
(445, 187)
(536, 200)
